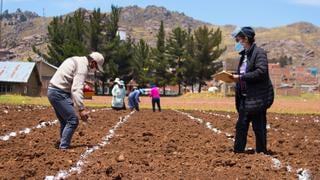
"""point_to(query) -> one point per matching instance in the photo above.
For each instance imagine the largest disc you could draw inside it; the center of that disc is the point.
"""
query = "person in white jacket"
(66, 89)
(118, 95)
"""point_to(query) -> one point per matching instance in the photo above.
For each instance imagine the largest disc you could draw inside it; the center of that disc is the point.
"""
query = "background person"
(133, 99)
(118, 95)
(155, 98)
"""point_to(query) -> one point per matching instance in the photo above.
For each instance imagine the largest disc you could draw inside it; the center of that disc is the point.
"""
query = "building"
(19, 78)
(5, 54)
(122, 33)
(288, 80)
(46, 72)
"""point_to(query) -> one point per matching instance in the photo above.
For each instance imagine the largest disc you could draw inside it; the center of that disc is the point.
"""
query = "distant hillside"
(144, 23)
(299, 40)
(18, 16)
(20, 31)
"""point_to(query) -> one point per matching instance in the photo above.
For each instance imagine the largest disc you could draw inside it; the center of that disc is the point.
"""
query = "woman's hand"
(236, 77)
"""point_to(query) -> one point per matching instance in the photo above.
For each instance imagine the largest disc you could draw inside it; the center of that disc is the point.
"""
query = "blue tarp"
(313, 71)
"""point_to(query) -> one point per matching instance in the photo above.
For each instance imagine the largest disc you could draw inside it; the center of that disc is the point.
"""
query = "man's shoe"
(67, 150)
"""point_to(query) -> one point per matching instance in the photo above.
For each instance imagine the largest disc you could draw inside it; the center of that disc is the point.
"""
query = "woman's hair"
(251, 40)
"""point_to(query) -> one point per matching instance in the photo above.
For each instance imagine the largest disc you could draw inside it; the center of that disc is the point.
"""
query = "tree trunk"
(164, 89)
(200, 80)
(192, 89)
(179, 76)
(95, 88)
(102, 87)
(95, 83)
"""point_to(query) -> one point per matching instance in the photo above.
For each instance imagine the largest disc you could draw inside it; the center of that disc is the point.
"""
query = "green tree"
(118, 52)
(30, 59)
(141, 65)
(66, 38)
(23, 18)
(176, 49)
(207, 52)
(113, 23)
(56, 38)
(161, 68)
(284, 61)
(161, 38)
(112, 41)
(75, 31)
(111, 45)
(190, 64)
(123, 58)
(6, 15)
(96, 29)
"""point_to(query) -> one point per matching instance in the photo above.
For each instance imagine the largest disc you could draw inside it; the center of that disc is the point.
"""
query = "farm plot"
(34, 154)
(23, 116)
(162, 145)
(292, 139)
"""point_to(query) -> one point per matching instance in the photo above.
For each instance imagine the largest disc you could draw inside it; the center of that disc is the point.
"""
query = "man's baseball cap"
(98, 57)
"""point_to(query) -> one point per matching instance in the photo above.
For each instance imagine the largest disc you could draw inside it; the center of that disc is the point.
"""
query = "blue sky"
(257, 13)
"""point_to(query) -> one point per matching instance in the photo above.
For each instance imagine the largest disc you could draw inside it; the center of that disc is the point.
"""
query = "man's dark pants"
(63, 106)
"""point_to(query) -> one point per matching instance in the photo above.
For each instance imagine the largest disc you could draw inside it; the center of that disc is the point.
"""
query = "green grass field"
(304, 104)
(20, 100)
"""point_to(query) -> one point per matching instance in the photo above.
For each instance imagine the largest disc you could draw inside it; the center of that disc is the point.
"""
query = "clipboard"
(224, 76)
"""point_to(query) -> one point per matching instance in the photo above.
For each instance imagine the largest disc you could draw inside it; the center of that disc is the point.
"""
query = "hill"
(299, 40)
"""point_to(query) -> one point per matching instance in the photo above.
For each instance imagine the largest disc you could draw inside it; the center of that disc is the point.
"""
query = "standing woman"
(155, 98)
(118, 95)
(254, 90)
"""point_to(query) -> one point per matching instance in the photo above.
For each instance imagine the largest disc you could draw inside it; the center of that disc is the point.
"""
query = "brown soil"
(35, 154)
(23, 116)
(166, 145)
(293, 139)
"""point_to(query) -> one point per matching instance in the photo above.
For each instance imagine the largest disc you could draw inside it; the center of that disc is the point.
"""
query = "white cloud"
(308, 2)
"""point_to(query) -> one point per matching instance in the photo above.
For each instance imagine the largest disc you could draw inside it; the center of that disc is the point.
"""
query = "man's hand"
(84, 115)
(236, 77)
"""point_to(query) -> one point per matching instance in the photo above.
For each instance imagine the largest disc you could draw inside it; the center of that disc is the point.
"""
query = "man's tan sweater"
(70, 77)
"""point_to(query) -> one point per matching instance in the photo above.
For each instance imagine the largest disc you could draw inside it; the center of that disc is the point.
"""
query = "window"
(4, 88)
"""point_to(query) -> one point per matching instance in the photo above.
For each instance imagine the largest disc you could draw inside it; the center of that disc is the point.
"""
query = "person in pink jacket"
(155, 96)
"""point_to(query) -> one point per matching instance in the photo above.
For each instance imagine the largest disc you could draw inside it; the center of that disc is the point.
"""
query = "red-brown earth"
(160, 145)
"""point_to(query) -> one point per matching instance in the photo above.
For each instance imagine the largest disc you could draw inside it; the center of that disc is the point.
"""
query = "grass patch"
(18, 100)
(207, 95)
(305, 96)
(227, 103)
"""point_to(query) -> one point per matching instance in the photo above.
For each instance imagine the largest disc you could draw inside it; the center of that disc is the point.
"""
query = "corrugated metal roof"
(13, 71)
